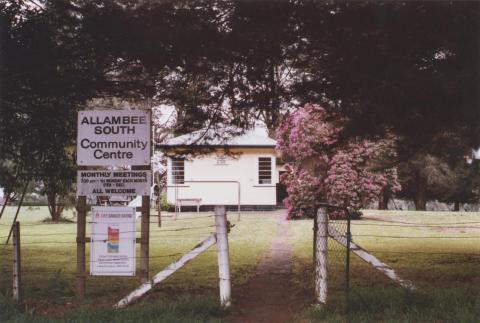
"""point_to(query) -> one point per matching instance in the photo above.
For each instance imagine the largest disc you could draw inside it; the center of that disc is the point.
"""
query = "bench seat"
(189, 202)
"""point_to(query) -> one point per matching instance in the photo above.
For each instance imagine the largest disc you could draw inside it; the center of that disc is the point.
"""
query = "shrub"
(165, 205)
(323, 167)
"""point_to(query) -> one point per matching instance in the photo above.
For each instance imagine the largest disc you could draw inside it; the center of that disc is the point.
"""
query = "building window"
(265, 170)
(178, 171)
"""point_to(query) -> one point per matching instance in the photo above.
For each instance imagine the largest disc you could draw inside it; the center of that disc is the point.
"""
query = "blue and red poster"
(113, 241)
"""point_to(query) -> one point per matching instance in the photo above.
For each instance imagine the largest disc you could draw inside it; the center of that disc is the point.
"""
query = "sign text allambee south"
(113, 137)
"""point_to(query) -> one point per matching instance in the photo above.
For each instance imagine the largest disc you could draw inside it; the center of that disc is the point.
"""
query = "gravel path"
(269, 296)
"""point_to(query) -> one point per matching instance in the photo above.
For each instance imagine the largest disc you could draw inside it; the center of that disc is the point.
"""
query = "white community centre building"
(239, 171)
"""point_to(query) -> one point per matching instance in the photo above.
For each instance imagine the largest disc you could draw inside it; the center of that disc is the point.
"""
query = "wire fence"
(48, 253)
(396, 245)
(49, 261)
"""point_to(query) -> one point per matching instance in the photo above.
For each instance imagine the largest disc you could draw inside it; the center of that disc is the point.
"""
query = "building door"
(281, 190)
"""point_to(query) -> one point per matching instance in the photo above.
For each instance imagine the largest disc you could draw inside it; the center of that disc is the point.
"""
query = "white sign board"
(108, 182)
(113, 138)
(112, 244)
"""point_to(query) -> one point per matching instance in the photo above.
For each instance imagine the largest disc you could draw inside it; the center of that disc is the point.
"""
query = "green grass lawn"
(49, 264)
(438, 251)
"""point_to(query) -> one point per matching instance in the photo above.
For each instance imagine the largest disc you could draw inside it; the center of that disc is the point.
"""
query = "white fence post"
(321, 259)
(17, 278)
(223, 258)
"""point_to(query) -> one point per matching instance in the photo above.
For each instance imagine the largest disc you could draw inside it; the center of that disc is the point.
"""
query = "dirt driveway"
(269, 296)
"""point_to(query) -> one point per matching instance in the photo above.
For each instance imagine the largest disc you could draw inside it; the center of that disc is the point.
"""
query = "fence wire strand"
(174, 231)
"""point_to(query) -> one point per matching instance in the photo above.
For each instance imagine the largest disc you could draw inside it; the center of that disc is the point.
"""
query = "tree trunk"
(5, 202)
(315, 228)
(456, 206)
(272, 115)
(421, 193)
(384, 198)
(54, 207)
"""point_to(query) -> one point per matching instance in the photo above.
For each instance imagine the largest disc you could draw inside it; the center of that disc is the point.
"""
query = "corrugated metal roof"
(214, 137)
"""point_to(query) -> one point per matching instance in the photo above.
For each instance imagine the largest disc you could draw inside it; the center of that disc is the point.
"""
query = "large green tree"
(462, 185)
(406, 68)
(428, 177)
(51, 71)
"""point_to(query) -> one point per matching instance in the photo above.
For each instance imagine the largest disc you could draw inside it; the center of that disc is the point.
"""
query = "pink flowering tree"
(322, 168)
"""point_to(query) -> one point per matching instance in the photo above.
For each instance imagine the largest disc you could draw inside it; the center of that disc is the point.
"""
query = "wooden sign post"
(81, 240)
(113, 138)
(144, 232)
(17, 266)
(145, 239)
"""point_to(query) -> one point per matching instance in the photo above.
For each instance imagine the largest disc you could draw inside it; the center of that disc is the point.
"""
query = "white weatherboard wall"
(242, 168)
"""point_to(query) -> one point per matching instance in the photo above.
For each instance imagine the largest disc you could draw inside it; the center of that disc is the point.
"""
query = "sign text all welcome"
(107, 183)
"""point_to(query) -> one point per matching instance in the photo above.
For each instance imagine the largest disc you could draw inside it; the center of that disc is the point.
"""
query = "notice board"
(112, 241)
